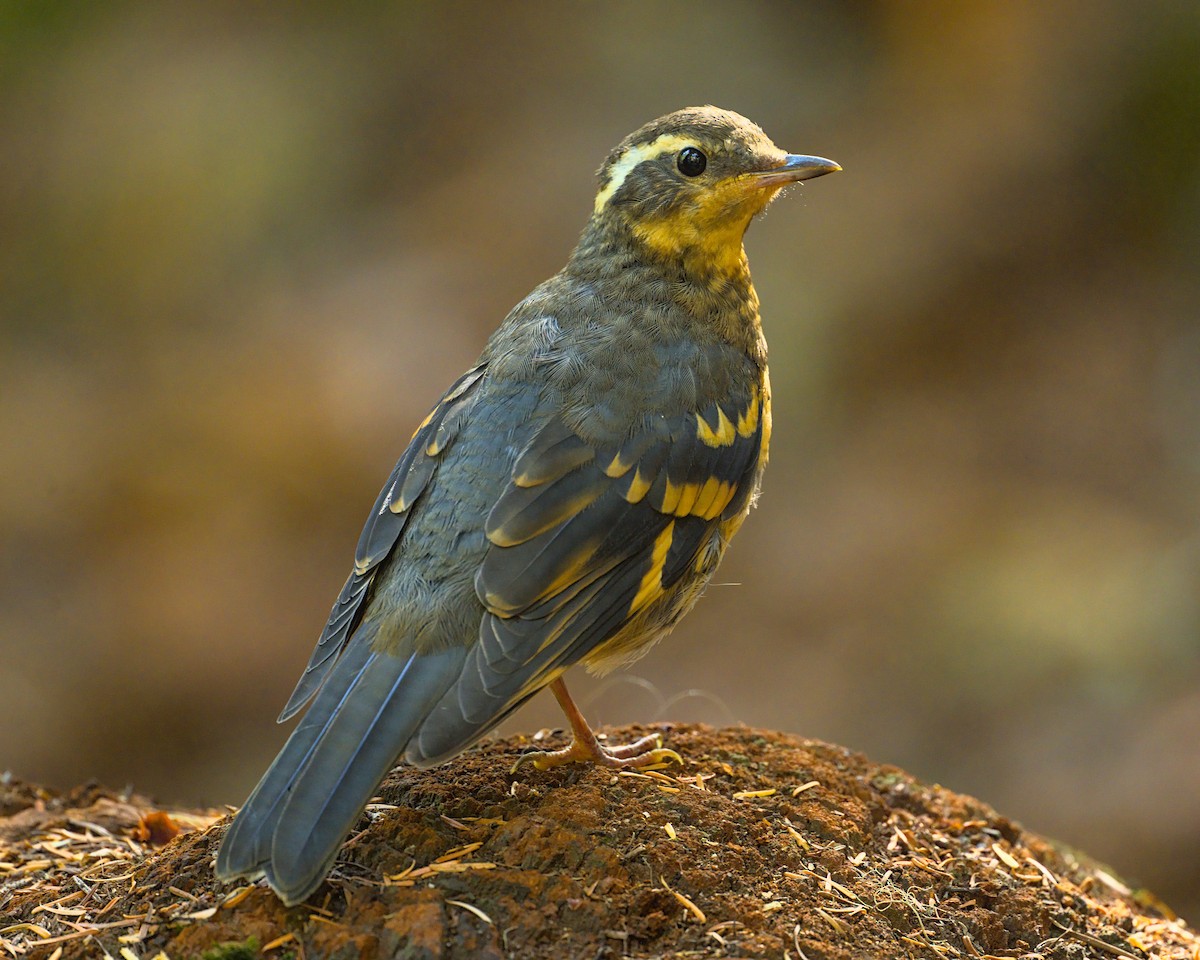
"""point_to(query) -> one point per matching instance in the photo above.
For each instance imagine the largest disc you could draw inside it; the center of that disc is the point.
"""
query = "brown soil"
(763, 845)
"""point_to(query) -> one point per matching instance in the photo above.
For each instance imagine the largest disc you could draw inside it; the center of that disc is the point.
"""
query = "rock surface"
(762, 845)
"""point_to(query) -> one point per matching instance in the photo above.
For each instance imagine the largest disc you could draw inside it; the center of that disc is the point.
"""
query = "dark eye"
(691, 162)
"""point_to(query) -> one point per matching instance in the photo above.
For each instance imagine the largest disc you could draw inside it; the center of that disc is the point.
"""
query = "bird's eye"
(691, 162)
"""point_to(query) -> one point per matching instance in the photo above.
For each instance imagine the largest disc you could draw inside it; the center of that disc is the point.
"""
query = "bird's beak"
(795, 167)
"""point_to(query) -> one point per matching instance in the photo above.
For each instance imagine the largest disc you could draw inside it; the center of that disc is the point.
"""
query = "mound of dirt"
(762, 845)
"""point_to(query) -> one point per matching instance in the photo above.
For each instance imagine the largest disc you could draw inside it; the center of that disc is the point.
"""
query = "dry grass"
(760, 846)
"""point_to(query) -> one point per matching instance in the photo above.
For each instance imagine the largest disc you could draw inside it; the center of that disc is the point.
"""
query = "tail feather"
(246, 848)
(359, 723)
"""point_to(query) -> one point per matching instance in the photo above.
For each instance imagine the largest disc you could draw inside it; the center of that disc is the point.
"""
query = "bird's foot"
(585, 746)
(645, 752)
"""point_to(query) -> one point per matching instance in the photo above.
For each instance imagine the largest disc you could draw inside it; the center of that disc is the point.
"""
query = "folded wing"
(585, 539)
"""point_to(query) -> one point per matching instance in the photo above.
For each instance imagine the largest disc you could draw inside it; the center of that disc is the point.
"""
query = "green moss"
(233, 951)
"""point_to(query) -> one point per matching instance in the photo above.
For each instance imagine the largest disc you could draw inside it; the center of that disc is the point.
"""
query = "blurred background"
(243, 249)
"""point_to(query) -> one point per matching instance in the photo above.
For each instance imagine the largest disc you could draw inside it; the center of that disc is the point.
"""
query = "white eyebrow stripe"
(664, 143)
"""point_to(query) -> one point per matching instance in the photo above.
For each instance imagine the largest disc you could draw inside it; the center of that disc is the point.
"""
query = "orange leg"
(586, 747)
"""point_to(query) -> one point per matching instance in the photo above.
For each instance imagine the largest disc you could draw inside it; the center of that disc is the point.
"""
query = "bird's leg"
(586, 747)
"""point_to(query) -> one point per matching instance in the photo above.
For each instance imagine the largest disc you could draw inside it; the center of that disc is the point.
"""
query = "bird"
(566, 501)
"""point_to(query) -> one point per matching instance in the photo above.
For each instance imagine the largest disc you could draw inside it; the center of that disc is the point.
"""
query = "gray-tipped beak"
(796, 167)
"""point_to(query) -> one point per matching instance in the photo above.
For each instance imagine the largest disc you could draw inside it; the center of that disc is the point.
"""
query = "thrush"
(566, 500)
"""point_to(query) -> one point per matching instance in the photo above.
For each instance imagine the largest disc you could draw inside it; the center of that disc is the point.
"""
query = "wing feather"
(582, 541)
(385, 525)
(524, 512)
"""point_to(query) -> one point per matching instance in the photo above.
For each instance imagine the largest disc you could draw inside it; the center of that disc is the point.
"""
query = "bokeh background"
(243, 248)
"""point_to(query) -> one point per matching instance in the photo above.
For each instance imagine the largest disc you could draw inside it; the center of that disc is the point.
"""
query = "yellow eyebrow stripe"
(666, 143)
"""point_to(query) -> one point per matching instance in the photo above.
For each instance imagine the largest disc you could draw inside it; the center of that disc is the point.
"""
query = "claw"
(629, 756)
(586, 748)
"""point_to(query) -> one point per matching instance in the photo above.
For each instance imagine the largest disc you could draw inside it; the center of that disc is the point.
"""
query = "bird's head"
(688, 184)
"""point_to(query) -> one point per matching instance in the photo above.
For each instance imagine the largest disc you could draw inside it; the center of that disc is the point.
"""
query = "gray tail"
(306, 803)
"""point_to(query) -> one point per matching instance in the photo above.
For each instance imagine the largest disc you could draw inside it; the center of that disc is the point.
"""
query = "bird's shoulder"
(607, 359)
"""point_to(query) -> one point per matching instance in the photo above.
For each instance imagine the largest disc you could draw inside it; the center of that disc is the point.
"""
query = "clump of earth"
(759, 845)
